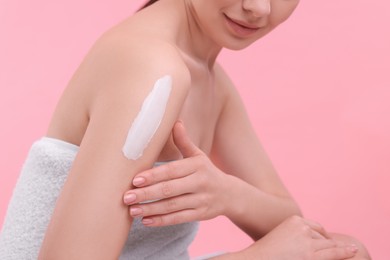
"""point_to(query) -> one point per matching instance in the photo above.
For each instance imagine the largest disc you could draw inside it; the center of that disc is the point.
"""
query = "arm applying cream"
(148, 119)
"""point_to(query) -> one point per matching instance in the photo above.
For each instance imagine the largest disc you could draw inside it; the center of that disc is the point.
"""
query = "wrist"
(234, 197)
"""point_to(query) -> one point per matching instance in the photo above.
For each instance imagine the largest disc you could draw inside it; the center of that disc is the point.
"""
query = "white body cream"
(148, 119)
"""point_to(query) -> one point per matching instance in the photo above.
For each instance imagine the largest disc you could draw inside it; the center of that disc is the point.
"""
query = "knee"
(362, 253)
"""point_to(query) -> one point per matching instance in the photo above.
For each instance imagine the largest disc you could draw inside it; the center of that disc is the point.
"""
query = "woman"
(115, 120)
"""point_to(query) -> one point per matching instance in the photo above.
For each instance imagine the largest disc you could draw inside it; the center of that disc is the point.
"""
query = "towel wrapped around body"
(34, 199)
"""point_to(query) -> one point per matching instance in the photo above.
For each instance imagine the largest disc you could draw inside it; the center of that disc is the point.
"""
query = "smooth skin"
(195, 189)
(90, 220)
(250, 174)
(296, 239)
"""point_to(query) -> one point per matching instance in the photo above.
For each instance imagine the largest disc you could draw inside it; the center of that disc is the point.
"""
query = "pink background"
(317, 90)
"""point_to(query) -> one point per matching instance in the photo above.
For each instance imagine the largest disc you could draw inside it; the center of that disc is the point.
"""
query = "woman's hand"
(296, 239)
(181, 191)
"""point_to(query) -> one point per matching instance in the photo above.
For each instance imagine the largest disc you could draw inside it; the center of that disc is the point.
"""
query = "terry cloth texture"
(33, 202)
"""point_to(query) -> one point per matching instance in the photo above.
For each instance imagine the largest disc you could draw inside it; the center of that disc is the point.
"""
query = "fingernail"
(147, 221)
(353, 248)
(138, 181)
(129, 198)
(135, 211)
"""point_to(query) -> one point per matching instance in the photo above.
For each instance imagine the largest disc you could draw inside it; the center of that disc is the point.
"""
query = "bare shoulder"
(222, 78)
(224, 83)
(127, 66)
(119, 65)
(228, 93)
(125, 53)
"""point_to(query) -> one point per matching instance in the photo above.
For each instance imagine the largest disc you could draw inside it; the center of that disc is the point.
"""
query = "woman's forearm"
(255, 211)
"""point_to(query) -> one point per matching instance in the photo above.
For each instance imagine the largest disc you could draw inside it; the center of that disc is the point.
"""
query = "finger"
(336, 253)
(317, 227)
(165, 206)
(174, 218)
(175, 169)
(169, 171)
(320, 244)
(183, 142)
(162, 190)
(316, 235)
(330, 243)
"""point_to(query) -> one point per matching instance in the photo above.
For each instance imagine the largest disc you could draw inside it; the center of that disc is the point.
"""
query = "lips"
(240, 28)
(243, 24)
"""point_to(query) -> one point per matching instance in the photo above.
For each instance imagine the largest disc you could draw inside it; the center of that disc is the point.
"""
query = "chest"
(199, 114)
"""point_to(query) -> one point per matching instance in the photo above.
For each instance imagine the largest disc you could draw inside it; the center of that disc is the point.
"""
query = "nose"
(258, 8)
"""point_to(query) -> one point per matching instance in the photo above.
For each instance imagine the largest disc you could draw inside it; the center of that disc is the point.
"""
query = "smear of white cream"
(148, 119)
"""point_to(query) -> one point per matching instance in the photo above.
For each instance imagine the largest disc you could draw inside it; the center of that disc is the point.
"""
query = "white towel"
(33, 202)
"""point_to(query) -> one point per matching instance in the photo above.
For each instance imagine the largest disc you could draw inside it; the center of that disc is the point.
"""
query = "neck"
(178, 21)
(192, 40)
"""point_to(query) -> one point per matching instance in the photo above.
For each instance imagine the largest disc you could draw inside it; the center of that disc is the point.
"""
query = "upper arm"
(237, 149)
(90, 220)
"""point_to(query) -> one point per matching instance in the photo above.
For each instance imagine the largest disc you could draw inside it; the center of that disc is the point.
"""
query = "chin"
(238, 45)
